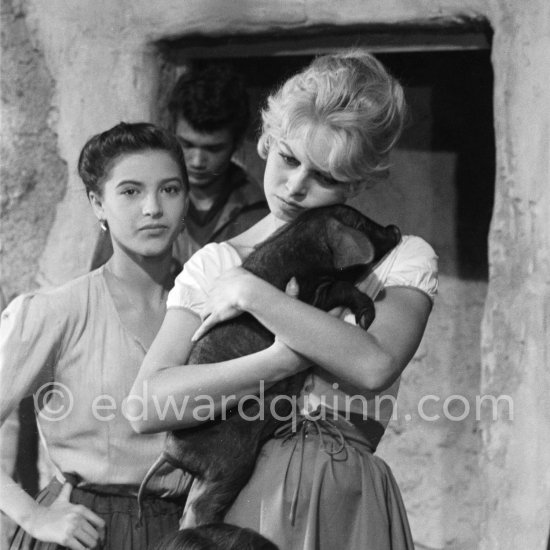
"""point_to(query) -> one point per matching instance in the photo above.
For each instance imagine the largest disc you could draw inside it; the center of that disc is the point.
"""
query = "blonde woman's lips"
(292, 205)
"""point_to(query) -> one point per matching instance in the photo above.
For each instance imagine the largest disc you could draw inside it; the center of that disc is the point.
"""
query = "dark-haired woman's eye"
(172, 189)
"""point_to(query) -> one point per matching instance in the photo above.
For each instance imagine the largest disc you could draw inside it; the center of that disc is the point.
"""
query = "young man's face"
(207, 155)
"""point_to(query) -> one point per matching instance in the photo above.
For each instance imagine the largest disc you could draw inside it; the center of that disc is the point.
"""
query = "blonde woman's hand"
(226, 298)
(293, 290)
(67, 524)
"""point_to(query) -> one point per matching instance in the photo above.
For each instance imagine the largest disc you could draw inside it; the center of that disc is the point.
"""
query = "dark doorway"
(441, 185)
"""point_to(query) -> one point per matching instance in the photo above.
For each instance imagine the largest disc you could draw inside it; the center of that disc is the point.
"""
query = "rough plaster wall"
(516, 330)
(33, 176)
(434, 457)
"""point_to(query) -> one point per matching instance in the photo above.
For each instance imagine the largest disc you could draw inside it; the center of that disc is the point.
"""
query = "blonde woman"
(326, 136)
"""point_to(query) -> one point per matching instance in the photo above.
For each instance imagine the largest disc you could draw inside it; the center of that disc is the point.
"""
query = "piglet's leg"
(343, 293)
(213, 503)
(188, 518)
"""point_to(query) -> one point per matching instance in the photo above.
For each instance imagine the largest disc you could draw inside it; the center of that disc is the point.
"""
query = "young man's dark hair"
(210, 97)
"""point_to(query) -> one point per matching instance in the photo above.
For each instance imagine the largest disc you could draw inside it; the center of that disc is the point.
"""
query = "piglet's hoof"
(364, 318)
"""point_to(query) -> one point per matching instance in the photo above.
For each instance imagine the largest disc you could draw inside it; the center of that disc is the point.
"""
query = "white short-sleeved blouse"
(412, 264)
(69, 348)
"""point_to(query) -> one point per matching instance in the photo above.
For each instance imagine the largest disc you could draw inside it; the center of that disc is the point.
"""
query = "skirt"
(320, 487)
(117, 506)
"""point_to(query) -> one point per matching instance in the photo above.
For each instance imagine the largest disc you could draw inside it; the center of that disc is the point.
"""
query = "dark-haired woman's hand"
(71, 525)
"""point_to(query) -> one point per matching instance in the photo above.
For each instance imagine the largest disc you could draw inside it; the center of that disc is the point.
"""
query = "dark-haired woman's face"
(143, 202)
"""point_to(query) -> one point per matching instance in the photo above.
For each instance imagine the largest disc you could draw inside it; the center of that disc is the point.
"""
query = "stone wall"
(70, 69)
(33, 174)
(516, 326)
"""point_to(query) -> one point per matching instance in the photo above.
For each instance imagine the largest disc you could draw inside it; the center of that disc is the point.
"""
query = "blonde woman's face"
(293, 183)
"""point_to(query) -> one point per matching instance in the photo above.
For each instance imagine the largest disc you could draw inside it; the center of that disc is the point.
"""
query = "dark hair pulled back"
(100, 151)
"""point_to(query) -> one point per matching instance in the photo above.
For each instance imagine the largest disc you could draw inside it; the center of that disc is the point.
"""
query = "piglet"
(328, 250)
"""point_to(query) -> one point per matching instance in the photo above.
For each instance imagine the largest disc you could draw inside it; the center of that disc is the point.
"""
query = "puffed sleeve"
(30, 340)
(193, 284)
(415, 266)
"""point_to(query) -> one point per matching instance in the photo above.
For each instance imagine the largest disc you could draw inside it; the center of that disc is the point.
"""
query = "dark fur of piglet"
(328, 250)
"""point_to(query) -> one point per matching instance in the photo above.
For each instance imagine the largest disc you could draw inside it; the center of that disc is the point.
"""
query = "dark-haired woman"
(78, 349)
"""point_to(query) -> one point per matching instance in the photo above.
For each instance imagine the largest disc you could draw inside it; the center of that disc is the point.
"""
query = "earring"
(103, 225)
(182, 225)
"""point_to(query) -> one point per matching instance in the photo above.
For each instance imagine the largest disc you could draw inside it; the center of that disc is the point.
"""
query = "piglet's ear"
(349, 246)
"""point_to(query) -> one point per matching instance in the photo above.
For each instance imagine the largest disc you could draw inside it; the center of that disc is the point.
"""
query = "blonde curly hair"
(353, 97)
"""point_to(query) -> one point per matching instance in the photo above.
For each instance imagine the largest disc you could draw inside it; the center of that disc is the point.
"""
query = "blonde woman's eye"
(325, 179)
(172, 189)
(289, 159)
